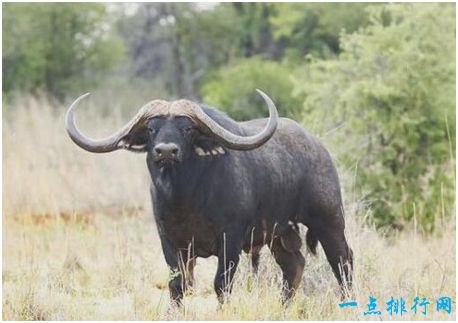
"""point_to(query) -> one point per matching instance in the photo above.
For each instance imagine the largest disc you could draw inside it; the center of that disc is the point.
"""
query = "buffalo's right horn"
(115, 141)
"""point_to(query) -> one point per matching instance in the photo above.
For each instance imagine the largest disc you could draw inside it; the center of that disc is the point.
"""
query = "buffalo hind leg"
(292, 264)
(339, 255)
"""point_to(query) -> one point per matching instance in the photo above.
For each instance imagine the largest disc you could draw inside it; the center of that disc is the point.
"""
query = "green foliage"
(52, 46)
(376, 81)
(232, 88)
(177, 43)
(253, 29)
(315, 27)
(392, 89)
(209, 38)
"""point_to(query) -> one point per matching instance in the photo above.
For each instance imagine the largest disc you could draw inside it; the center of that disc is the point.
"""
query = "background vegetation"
(383, 75)
(376, 82)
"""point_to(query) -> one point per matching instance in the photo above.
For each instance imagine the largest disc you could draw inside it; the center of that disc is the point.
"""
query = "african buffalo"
(221, 186)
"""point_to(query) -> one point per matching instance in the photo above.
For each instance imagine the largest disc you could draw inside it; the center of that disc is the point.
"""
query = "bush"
(392, 89)
(232, 89)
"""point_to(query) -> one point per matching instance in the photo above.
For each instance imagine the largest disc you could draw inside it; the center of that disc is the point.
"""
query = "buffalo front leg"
(182, 278)
(175, 279)
(229, 249)
(186, 263)
(181, 266)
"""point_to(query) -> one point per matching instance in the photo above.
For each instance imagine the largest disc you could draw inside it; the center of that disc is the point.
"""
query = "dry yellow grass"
(79, 242)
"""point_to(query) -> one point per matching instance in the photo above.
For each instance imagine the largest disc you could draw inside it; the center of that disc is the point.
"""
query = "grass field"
(79, 242)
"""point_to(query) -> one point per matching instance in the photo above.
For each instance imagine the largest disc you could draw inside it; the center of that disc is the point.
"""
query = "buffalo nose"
(168, 150)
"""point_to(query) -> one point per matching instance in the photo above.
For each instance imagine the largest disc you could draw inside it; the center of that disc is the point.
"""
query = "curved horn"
(113, 142)
(159, 107)
(233, 141)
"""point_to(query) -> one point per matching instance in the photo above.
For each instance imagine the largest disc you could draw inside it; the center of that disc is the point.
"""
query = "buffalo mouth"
(167, 162)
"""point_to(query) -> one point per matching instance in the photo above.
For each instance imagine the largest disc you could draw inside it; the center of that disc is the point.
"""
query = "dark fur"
(242, 200)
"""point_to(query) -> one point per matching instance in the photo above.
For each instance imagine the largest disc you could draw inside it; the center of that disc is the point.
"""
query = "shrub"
(392, 89)
(232, 89)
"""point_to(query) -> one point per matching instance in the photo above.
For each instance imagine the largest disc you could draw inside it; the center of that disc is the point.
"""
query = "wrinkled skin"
(220, 204)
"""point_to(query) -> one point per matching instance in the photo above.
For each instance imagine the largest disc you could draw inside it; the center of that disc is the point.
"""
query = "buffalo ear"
(136, 140)
(205, 147)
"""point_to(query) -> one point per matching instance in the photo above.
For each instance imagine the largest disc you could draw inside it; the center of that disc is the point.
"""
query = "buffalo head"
(171, 132)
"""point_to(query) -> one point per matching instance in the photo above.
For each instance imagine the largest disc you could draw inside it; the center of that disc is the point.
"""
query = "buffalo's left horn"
(234, 141)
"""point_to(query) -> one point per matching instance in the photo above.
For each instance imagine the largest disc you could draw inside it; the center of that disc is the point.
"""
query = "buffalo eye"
(152, 131)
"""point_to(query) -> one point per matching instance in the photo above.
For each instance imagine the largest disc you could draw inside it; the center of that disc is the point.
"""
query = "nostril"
(168, 150)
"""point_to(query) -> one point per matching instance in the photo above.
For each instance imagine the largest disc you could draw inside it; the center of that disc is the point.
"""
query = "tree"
(254, 30)
(232, 88)
(55, 46)
(315, 27)
(179, 43)
(393, 90)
